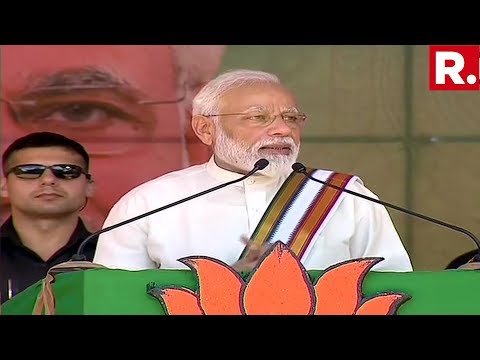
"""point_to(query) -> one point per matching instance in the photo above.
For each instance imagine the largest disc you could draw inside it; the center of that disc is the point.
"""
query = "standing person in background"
(463, 260)
(47, 181)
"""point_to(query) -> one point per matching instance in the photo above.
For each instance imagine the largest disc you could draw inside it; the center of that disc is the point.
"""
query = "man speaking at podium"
(246, 116)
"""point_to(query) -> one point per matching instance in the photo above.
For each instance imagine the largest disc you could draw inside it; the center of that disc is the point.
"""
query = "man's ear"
(198, 152)
(90, 191)
(204, 129)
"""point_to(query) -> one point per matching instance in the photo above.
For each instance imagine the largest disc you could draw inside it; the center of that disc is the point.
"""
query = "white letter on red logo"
(453, 71)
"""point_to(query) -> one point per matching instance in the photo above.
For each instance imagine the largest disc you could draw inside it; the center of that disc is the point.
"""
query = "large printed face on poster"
(128, 105)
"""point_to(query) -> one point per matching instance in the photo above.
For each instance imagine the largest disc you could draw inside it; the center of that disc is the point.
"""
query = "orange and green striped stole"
(300, 210)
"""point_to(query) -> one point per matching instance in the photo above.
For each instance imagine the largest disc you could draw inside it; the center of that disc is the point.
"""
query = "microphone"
(259, 165)
(300, 168)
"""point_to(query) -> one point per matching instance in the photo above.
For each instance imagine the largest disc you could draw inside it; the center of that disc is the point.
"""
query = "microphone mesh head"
(299, 167)
(261, 164)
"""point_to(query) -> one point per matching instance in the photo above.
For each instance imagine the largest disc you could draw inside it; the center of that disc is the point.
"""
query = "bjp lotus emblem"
(278, 285)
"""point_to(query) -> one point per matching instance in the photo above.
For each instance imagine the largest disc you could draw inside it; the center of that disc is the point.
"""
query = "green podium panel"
(120, 292)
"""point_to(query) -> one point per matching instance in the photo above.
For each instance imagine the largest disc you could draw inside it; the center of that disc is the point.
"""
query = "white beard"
(242, 156)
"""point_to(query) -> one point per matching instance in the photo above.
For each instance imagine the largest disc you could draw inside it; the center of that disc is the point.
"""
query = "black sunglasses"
(61, 171)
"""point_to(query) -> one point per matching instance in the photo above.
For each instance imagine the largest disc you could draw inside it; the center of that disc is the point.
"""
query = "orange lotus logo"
(278, 285)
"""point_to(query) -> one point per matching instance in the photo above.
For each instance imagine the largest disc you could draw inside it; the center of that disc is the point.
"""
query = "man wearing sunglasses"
(245, 116)
(45, 177)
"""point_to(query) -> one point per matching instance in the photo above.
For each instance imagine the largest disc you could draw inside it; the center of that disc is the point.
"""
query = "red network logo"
(454, 67)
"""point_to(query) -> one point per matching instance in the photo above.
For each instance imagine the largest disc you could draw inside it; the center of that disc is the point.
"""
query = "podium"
(277, 284)
(120, 292)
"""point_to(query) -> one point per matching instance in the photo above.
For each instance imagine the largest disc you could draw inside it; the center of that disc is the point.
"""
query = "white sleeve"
(376, 236)
(125, 247)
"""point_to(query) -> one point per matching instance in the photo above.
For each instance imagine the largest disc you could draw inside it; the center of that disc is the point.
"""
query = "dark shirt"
(461, 259)
(20, 267)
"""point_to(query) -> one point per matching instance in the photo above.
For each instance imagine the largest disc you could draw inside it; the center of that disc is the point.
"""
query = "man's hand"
(254, 253)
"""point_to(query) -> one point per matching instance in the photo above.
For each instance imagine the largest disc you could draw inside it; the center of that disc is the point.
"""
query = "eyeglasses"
(61, 171)
(264, 119)
(106, 119)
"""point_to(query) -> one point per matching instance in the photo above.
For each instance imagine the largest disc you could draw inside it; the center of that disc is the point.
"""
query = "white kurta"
(212, 225)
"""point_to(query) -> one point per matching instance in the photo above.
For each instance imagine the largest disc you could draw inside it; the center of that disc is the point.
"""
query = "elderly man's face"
(121, 102)
(244, 134)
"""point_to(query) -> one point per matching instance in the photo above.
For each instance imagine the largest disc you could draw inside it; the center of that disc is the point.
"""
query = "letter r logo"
(454, 67)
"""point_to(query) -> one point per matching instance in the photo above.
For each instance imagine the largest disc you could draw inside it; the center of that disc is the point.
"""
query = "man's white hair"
(207, 100)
